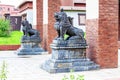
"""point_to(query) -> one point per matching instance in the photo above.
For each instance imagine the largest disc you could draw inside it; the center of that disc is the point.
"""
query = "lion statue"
(28, 32)
(63, 25)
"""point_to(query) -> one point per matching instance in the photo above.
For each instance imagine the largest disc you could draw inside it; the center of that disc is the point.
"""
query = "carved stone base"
(58, 66)
(67, 55)
(30, 48)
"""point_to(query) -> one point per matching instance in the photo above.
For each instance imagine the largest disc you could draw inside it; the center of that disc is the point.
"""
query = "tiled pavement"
(113, 79)
(28, 68)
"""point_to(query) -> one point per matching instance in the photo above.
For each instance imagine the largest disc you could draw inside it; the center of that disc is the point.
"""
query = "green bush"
(5, 28)
(72, 76)
(3, 71)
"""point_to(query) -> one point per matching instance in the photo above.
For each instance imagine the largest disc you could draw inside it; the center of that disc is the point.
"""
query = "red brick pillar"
(102, 32)
(39, 4)
(119, 28)
(53, 6)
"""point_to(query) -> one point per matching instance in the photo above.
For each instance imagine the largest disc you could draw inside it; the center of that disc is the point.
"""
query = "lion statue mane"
(63, 25)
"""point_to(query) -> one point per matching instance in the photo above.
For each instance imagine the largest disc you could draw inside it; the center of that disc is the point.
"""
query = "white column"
(34, 13)
(92, 9)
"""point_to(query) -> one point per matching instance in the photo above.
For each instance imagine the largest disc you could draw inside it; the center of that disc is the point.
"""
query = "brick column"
(39, 26)
(53, 6)
(119, 28)
(102, 32)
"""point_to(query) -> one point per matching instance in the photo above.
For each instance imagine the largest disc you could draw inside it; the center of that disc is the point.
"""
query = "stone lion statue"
(28, 32)
(63, 25)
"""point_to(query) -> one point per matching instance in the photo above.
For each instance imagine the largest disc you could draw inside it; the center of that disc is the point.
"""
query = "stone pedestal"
(67, 55)
(30, 47)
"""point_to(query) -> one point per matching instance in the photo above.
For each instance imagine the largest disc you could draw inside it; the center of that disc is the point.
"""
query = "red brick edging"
(9, 47)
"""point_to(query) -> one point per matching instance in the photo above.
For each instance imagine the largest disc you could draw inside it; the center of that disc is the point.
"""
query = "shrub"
(5, 28)
(73, 76)
(3, 71)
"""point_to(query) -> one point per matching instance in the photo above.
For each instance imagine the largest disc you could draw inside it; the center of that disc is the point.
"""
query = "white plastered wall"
(92, 9)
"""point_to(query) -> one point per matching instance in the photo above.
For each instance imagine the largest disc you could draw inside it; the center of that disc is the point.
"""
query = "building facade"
(11, 13)
(26, 10)
(7, 9)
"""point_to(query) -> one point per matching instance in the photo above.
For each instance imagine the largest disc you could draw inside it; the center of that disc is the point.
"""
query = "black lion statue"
(63, 25)
(28, 32)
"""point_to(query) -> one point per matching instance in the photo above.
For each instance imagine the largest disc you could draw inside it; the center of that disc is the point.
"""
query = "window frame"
(81, 14)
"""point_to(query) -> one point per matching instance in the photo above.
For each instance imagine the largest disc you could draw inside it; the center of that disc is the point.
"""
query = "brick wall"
(92, 39)
(9, 47)
(119, 44)
(53, 6)
(119, 24)
(47, 32)
(104, 46)
(108, 25)
(45, 36)
(39, 26)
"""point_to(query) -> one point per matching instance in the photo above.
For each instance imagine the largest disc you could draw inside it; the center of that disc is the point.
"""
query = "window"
(7, 16)
(24, 16)
(16, 20)
(81, 19)
(0, 8)
(8, 9)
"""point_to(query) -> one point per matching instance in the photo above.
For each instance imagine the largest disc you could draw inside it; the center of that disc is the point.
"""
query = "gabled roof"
(23, 2)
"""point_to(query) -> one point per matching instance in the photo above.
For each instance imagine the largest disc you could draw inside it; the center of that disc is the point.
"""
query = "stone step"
(74, 68)
(58, 66)
(70, 64)
(83, 63)
(77, 68)
(70, 60)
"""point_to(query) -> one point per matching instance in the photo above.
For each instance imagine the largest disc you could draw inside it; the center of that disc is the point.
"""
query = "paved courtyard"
(28, 68)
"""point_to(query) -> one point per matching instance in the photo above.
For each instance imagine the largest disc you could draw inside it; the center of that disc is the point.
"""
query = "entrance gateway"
(101, 29)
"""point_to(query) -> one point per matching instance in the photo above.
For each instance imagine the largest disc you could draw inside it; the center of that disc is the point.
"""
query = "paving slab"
(28, 68)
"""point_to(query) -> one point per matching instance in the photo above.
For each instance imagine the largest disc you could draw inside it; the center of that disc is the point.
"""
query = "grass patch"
(14, 39)
(66, 36)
